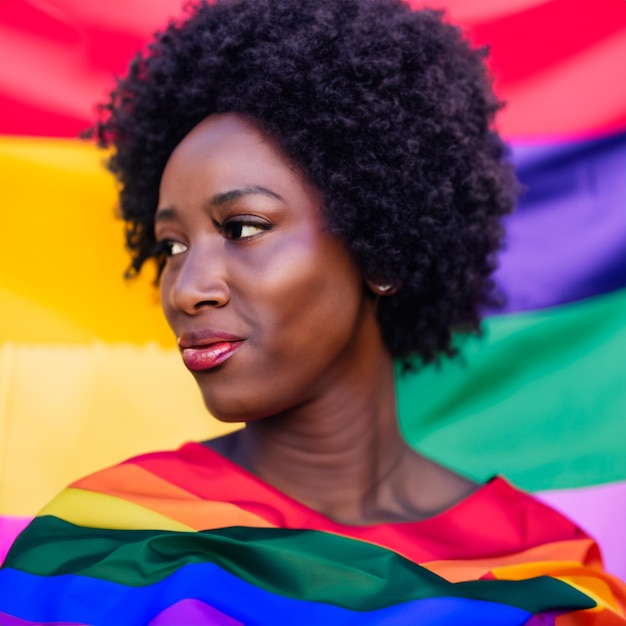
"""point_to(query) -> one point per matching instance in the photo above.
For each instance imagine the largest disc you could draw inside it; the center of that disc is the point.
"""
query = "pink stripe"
(601, 511)
(10, 527)
(192, 611)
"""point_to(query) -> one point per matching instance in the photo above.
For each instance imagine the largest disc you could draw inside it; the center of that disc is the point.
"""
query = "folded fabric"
(188, 537)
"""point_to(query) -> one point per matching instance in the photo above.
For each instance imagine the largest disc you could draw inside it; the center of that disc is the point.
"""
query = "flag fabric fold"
(164, 536)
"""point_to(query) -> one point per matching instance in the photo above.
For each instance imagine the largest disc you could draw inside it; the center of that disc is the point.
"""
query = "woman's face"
(269, 308)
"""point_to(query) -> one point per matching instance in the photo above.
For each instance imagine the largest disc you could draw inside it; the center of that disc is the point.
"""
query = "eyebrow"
(219, 199)
(234, 194)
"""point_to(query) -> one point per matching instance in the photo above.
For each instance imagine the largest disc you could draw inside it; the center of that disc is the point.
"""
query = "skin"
(311, 379)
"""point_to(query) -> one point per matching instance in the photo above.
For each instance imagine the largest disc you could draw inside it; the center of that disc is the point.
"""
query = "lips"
(204, 350)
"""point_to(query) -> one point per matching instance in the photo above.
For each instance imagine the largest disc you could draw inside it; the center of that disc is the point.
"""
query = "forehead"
(219, 132)
(229, 151)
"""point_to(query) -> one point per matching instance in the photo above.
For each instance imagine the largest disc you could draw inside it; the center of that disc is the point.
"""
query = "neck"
(332, 453)
(341, 452)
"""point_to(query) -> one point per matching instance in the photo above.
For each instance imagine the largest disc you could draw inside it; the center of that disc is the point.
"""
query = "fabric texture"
(188, 537)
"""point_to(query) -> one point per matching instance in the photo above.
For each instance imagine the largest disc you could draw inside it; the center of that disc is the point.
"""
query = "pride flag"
(188, 537)
(88, 371)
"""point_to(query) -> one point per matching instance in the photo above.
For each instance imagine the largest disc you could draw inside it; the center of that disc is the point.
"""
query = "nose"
(197, 280)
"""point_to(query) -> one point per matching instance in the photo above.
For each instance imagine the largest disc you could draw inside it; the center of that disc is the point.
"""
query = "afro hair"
(388, 111)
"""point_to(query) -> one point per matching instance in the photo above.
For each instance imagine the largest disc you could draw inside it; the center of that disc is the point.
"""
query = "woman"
(321, 189)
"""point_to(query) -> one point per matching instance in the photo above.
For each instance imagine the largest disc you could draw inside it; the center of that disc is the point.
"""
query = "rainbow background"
(89, 373)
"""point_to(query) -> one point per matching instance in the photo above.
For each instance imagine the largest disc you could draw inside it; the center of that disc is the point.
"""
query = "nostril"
(207, 303)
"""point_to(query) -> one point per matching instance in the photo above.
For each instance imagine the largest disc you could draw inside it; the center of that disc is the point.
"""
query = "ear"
(381, 288)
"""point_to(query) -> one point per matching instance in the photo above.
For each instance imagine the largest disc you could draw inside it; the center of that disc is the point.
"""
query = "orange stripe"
(135, 484)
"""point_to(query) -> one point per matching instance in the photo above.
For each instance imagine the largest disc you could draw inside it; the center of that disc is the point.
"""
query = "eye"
(243, 228)
(172, 248)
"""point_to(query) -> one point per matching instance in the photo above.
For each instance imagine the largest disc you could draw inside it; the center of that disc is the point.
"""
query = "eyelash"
(232, 229)
(166, 247)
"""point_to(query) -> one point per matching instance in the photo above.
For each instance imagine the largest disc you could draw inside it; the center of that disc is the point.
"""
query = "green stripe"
(302, 564)
(541, 398)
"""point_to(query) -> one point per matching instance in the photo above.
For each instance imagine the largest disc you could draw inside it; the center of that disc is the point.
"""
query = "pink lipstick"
(207, 348)
(201, 358)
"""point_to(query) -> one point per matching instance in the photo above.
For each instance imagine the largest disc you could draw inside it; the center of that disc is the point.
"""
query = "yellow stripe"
(92, 406)
(62, 257)
(589, 580)
(596, 589)
(97, 510)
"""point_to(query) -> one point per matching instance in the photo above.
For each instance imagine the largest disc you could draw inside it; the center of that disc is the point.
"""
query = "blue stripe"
(82, 599)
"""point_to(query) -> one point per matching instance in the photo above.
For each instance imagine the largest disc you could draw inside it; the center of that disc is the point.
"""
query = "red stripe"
(516, 520)
(529, 42)
(94, 41)
(64, 56)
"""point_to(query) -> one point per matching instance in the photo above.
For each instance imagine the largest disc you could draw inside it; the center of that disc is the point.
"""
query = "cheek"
(312, 302)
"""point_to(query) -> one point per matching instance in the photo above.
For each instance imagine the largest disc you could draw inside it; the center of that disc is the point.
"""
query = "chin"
(232, 412)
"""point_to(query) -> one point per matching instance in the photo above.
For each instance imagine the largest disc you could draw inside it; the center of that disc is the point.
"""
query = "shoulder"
(499, 519)
(151, 473)
(176, 467)
(164, 490)
(140, 488)
(496, 524)
(513, 508)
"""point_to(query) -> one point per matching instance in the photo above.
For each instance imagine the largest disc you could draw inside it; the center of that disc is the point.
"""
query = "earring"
(383, 289)
(386, 289)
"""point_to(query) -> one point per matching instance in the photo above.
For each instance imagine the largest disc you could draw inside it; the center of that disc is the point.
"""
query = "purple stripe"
(192, 611)
(567, 239)
(546, 619)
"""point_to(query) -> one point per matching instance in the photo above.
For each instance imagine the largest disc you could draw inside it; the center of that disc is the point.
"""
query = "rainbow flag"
(84, 359)
(188, 537)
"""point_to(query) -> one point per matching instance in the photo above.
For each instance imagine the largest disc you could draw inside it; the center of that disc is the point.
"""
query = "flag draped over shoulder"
(187, 537)
(541, 398)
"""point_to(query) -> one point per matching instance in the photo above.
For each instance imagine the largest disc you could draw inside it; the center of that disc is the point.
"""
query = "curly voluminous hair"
(389, 112)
